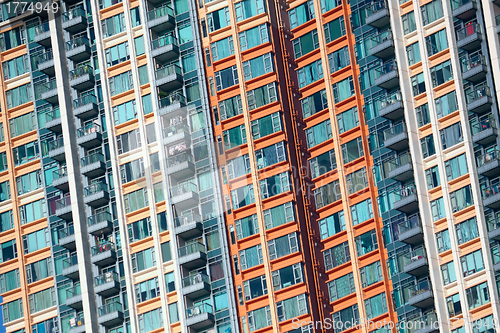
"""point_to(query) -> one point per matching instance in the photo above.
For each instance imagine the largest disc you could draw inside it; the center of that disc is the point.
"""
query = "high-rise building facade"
(257, 165)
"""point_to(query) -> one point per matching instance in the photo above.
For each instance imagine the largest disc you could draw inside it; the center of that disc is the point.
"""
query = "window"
(117, 54)
(366, 242)
(418, 84)
(413, 53)
(343, 89)
(270, 155)
(451, 135)
(371, 274)
(348, 120)
(147, 105)
(6, 221)
(409, 24)
(4, 191)
(39, 270)
(327, 194)
(310, 73)
(477, 295)
(255, 287)
(218, 19)
(151, 320)
(279, 215)
(454, 305)
(334, 29)
(128, 141)
(443, 240)
(36, 240)
(113, 25)
(427, 146)
(346, 318)
(238, 166)
(441, 73)
(32, 211)
(9, 281)
(13, 38)
(332, 225)
(170, 281)
(42, 300)
(234, 137)
(314, 103)
(461, 199)
(139, 230)
(292, 307)
(242, 196)
(135, 200)
(287, 276)
(467, 231)
(336, 256)
(158, 192)
(352, 150)
(222, 48)
(472, 263)
(230, 107)
(448, 271)
(247, 226)
(356, 181)
(318, 133)
(25, 153)
(12, 310)
(259, 318)
(431, 11)
(261, 96)
(15, 67)
(436, 42)
(147, 290)
(258, 66)
(143, 75)
(306, 43)
(339, 59)
(173, 313)
(139, 45)
(376, 306)
(323, 163)
(266, 125)
(22, 124)
(423, 116)
(132, 170)
(251, 257)
(274, 185)
(283, 246)
(362, 211)
(19, 95)
(143, 259)
(254, 37)
(135, 17)
(456, 167)
(301, 14)
(446, 104)
(432, 176)
(226, 78)
(341, 287)
(327, 5)
(8, 251)
(121, 83)
(437, 208)
(248, 8)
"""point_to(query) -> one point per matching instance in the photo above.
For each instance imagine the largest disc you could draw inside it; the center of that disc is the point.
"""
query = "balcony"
(52, 120)
(56, 149)
(82, 78)
(427, 324)
(484, 131)
(103, 254)
(42, 34)
(464, 9)
(384, 45)
(387, 75)
(199, 317)
(391, 107)
(45, 62)
(176, 133)
(93, 165)
(493, 224)
(74, 297)
(107, 284)
(70, 267)
(110, 314)
(406, 200)
(479, 99)
(488, 164)
(165, 48)
(401, 168)
(47, 91)
(396, 137)
(63, 208)
(100, 224)
(77, 324)
(67, 238)
(195, 286)
(415, 263)
(161, 18)
(96, 195)
(171, 103)
(180, 166)
(60, 179)
(474, 68)
(184, 196)
(491, 196)
(421, 295)
(410, 230)
(377, 15)
(89, 136)
(85, 107)
(74, 20)
(78, 49)
(188, 225)
(192, 255)
(169, 78)
(469, 38)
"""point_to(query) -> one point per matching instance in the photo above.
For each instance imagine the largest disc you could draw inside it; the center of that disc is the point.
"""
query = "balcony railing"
(105, 278)
(191, 248)
(396, 129)
(489, 191)
(172, 99)
(40, 29)
(382, 37)
(178, 159)
(81, 71)
(163, 41)
(183, 188)
(41, 88)
(408, 224)
(492, 221)
(68, 231)
(378, 6)
(387, 67)
(63, 202)
(71, 261)
(459, 3)
(73, 13)
(468, 31)
(88, 99)
(42, 57)
(59, 173)
(94, 188)
(175, 129)
(473, 61)
(98, 218)
(194, 279)
(414, 256)
(419, 288)
(110, 308)
(76, 42)
(198, 310)
(93, 158)
(405, 191)
(73, 291)
(388, 100)
(167, 70)
(103, 247)
(88, 129)
(186, 219)
(402, 159)
(52, 114)
(487, 157)
(77, 321)
(160, 12)
(485, 122)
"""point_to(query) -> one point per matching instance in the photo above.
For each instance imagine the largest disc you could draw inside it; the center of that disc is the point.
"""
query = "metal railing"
(489, 191)
(59, 173)
(98, 218)
(43, 87)
(179, 158)
(382, 36)
(467, 31)
(73, 291)
(173, 98)
(94, 188)
(194, 279)
(77, 321)
(487, 158)
(187, 219)
(109, 308)
(101, 248)
(420, 287)
(191, 248)
(92, 158)
(478, 92)
(198, 310)
(400, 160)
(414, 255)
(43, 57)
(42, 28)
(105, 278)
(459, 3)
(410, 223)
(175, 129)
(484, 122)
(88, 129)
(492, 221)
(52, 114)
(385, 68)
(160, 12)
(88, 99)
(472, 61)
(63, 202)
(68, 231)
(76, 42)
(168, 70)
(376, 7)
(405, 191)
(163, 41)
(71, 261)
(55, 144)
(389, 100)
(183, 188)
(81, 71)
(396, 129)
(73, 13)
